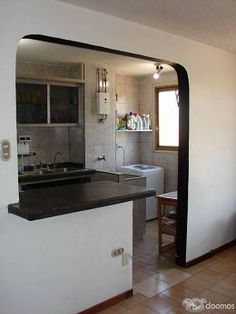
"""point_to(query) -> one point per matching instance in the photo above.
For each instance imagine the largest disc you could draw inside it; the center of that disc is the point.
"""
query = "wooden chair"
(166, 225)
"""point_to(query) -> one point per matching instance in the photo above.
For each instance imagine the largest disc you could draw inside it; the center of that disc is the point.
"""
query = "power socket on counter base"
(125, 256)
(117, 252)
(125, 259)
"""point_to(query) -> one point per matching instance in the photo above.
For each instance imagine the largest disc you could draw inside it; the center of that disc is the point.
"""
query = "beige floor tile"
(195, 269)
(151, 287)
(145, 260)
(132, 302)
(210, 276)
(213, 296)
(158, 267)
(115, 309)
(172, 276)
(229, 259)
(225, 288)
(231, 267)
(179, 311)
(140, 276)
(226, 311)
(233, 301)
(231, 279)
(208, 262)
(135, 292)
(220, 267)
(179, 293)
(184, 311)
(162, 304)
(140, 309)
(195, 284)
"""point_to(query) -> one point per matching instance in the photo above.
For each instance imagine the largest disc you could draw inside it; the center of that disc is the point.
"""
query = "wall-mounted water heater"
(103, 103)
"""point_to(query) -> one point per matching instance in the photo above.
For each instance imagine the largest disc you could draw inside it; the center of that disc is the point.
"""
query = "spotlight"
(159, 68)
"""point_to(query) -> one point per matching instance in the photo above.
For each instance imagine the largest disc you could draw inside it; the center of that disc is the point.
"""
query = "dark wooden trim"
(199, 259)
(183, 155)
(152, 219)
(183, 166)
(224, 247)
(66, 42)
(210, 254)
(112, 301)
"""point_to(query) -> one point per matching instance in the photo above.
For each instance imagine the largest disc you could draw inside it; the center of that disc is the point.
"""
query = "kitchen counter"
(54, 201)
(32, 178)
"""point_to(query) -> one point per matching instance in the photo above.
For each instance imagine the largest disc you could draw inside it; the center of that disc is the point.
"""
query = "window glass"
(63, 104)
(168, 118)
(31, 102)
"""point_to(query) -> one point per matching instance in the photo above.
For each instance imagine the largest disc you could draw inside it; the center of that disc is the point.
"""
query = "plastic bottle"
(140, 122)
(148, 121)
(135, 121)
(130, 122)
(144, 122)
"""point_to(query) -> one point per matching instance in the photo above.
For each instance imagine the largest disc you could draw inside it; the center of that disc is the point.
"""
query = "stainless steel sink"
(63, 170)
(38, 172)
(44, 172)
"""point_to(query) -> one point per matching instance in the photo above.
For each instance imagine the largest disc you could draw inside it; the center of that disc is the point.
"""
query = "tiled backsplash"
(99, 138)
(167, 160)
(139, 95)
(47, 141)
(127, 89)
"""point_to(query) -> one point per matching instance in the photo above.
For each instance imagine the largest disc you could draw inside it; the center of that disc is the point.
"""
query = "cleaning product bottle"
(135, 121)
(139, 122)
(129, 123)
(144, 122)
(148, 121)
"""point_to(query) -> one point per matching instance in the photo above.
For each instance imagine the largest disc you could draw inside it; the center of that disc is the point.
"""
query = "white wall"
(63, 264)
(212, 76)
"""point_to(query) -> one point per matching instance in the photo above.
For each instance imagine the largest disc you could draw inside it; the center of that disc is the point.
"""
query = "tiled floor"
(160, 286)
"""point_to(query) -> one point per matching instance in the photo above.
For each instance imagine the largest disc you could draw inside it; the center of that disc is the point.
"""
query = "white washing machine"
(154, 179)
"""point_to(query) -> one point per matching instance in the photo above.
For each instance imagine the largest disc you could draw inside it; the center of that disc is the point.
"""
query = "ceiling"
(44, 52)
(212, 22)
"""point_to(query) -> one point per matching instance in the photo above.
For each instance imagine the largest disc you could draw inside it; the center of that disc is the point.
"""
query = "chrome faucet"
(101, 157)
(55, 158)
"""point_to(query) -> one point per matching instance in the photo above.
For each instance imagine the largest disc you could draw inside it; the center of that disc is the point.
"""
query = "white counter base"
(63, 264)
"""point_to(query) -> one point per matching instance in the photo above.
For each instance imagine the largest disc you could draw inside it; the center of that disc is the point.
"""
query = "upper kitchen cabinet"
(64, 104)
(31, 102)
(49, 94)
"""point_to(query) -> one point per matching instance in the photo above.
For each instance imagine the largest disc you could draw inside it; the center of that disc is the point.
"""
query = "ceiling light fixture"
(159, 68)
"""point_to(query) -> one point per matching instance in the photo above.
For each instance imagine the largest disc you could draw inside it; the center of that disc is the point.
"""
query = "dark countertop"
(24, 179)
(54, 201)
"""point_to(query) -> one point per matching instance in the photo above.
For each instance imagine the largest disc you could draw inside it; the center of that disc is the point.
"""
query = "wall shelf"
(133, 131)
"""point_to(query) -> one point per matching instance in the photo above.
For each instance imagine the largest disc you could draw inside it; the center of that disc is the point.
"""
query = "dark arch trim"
(183, 156)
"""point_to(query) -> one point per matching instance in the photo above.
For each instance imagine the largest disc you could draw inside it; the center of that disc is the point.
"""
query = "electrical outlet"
(5, 150)
(125, 259)
(117, 252)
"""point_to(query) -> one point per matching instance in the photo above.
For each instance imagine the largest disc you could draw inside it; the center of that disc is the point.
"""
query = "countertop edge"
(14, 208)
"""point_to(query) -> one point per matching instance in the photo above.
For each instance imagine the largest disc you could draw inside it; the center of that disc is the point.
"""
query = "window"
(46, 103)
(167, 123)
(31, 102)
(64, 104)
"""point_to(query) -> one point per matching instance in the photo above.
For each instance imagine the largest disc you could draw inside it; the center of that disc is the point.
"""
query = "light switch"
(5, 150)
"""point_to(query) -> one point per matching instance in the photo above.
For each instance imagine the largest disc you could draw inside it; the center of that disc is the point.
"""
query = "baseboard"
(210, 254)
(152, 219)
(105, 304)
